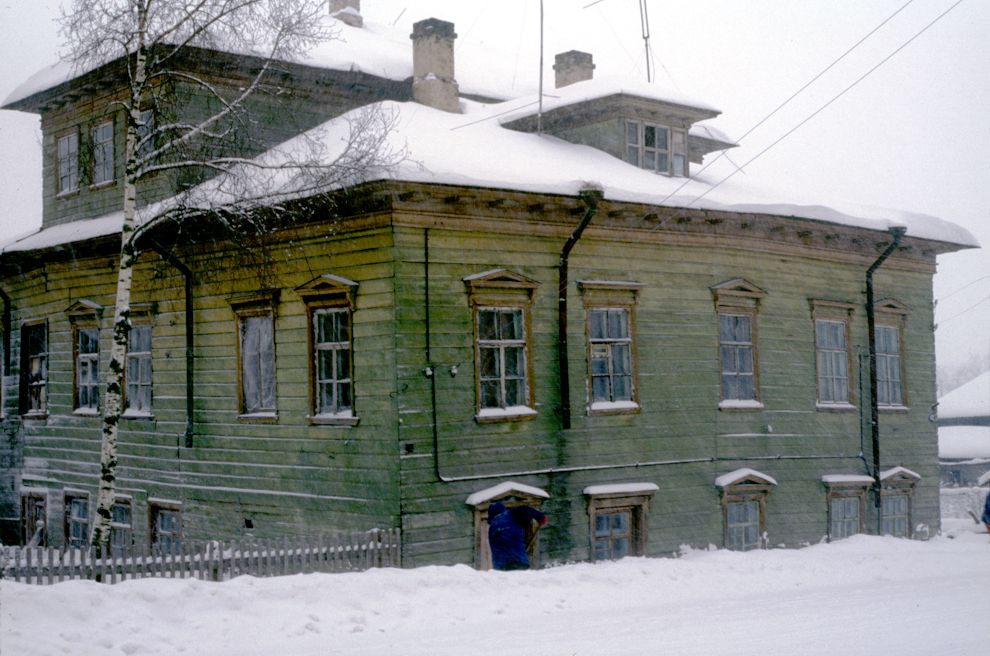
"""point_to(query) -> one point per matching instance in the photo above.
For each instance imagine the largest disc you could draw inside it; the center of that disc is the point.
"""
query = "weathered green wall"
(676, 334)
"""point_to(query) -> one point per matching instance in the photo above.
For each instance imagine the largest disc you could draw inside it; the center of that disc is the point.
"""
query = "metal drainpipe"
(897, 233)
(6, 333)
(591, 198)
(190, 341)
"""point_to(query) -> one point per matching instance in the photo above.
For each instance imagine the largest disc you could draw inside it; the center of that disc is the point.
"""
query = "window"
(121, 532)
(84, 316)
(138, 371)
(330, 302)
(76, 520)
(34, 519)
(502, 362)
(255, 315)
(102, 144)
(610, 346)
(896, 515)
(744, 494)
(832, 356)
(897, 490)
(609, 307)
(891, 317)
(737, 303)
(501, 358)
(618, 519)
(34, 369)
(736, 352)
(742, 525)
(656, 148)
(846, 497)
(332, 342)
(166, 525)
(145, 131)
(68, 163)
(888, 366)
(87, 347)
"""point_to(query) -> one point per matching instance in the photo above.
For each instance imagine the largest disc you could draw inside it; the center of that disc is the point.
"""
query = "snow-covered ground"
(864, 595)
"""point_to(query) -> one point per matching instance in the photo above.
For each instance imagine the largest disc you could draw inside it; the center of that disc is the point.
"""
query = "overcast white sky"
(914, 134)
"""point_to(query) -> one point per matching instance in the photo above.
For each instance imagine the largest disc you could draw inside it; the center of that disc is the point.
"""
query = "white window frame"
(138, 374)
(340, 351)
(34, 371)
(744, 486)
(77, 524)
(67, 154)
(102, 144)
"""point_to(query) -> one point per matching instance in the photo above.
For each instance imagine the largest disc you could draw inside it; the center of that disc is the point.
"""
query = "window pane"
(649, 136)
(632, 133)
(596, 324)
(487, 327)
(514, 393)
(258, 364)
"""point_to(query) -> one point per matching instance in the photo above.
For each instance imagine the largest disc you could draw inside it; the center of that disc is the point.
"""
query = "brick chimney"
(347, 11)
(572, 66)
(433, 65)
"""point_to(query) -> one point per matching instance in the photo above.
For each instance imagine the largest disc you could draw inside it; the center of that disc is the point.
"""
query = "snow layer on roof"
(739, 474)
(958, 442)
(503, 489)
(969, 400)
(67, 233)
(603, 87)
(472, 149)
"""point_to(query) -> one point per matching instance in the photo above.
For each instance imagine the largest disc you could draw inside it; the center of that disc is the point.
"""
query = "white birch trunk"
(113, 399)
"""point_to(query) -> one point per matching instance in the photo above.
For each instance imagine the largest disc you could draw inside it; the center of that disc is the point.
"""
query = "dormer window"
(656, 148)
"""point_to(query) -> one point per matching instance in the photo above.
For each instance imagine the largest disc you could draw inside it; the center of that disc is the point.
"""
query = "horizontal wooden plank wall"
(678, 378)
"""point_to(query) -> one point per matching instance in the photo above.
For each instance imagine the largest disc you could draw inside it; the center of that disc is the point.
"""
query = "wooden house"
(552, 319)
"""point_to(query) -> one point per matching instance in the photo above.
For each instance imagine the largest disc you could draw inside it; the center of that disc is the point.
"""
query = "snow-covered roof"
(741, 474)
(969, 400)
(505, 489)
(66, 233)
(963, 442)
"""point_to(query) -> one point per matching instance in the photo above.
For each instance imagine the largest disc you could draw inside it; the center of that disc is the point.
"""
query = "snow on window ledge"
(258, 417)
(511, 413)
(893, 408)
(346, 418)
(613, 407)
(740, 404)
(835, 407)
(86, 412)
(137, 414)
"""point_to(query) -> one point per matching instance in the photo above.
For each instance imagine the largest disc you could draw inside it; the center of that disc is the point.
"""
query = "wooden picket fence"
(211, 561)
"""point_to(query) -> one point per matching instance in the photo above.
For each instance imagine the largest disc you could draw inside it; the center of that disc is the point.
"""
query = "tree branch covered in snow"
(201, 77)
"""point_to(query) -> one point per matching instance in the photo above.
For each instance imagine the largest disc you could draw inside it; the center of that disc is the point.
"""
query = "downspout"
(897, 233)
(591, 198)
(190, 339)
(6, 333)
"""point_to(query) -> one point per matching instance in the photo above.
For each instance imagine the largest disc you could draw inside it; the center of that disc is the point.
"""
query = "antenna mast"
(539, 113)
(644, 22)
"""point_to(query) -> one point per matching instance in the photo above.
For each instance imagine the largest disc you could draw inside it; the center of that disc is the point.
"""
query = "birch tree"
(151, 37)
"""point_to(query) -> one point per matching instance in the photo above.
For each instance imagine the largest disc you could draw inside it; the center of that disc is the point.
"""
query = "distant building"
(964, 432)
(441, 335)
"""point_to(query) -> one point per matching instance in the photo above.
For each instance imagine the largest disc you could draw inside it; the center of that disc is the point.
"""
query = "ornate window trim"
(329, 292)
(837, 312)
(248, 306)
(743, 486)
(511, 494)
(608, 499)
(611, 295)
(741, 298)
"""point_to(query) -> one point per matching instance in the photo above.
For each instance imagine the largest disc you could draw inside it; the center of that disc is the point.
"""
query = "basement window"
(617, 516)
(744, 495)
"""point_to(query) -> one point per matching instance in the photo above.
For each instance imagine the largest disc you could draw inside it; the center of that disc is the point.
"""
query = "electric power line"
(793, 95)
(964, 287)
(828, 104)
(967, 310)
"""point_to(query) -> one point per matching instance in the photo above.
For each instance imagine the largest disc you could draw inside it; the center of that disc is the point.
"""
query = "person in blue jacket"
(508, 529)
(986, 513)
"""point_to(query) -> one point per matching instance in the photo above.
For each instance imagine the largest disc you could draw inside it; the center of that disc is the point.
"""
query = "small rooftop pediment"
(84, 308)
(738, 287)
(891, 306)
(328, 284)
(744, 477)
(525, 493)
(899, 475)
